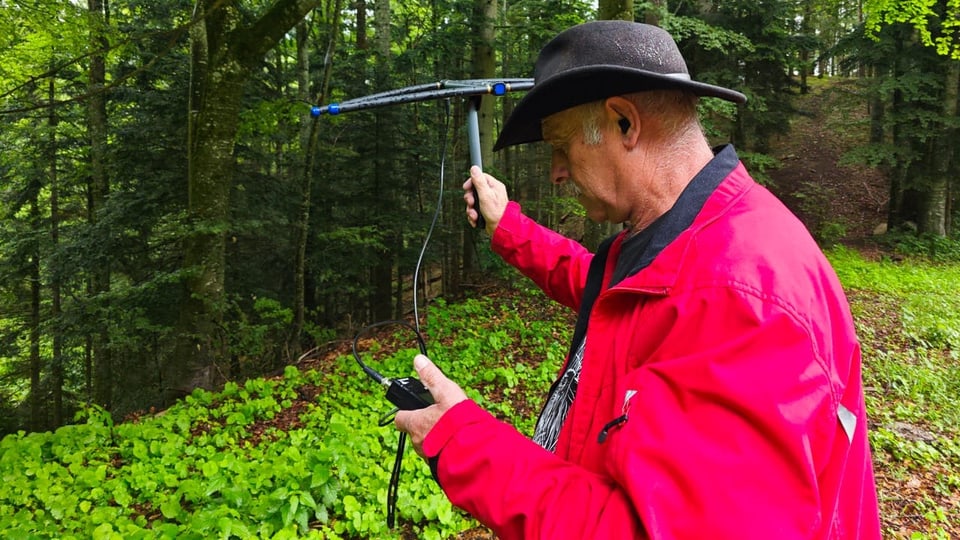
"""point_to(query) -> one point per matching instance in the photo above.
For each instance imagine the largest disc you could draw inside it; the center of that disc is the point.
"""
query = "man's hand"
(445, 394)
(493, 198)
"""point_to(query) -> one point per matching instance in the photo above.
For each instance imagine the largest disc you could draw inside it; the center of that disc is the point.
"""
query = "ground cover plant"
(300, 455)
(908, 318)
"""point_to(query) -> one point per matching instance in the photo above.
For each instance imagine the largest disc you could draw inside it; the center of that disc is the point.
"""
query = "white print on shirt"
(558, 404)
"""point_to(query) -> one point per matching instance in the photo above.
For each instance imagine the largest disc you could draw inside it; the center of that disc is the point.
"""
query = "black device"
(408, 393)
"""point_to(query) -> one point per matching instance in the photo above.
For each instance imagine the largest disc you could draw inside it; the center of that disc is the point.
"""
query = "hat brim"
(586, 84)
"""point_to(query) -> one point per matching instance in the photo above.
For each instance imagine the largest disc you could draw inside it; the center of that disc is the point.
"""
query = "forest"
(174, 218)
(187, 252)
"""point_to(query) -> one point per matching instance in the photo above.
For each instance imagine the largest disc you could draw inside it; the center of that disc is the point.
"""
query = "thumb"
(445, 392)
(430, 375)
(478, 179)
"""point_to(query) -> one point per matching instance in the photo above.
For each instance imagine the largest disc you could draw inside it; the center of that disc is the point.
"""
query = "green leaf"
(171, 508)
(210, 469)
(291, 510)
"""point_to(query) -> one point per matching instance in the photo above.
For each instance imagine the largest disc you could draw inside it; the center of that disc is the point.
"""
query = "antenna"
(474, 89)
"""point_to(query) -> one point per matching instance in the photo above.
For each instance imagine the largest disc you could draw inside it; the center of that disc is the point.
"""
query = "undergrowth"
(221, 465)
(302, 455)
(907, 313)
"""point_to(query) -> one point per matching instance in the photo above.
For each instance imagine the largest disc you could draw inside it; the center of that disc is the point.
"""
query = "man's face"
(586, 165)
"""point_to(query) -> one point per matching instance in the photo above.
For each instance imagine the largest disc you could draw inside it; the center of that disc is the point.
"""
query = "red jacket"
(734, 357)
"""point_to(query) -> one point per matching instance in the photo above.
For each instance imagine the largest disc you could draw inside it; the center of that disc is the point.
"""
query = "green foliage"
(814, 203)
(246, 462)
(710, 37)
(938, 249)
(257, 342)
(923, 292)
(32, 44)
(747, 46)
(301, 456)
(909, 100)
(192, 472)
(257, 461)
(759, 165)
(907, 319)
(936, 23)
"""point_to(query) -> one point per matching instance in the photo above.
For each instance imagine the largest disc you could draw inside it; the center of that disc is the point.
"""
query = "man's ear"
(622, 111)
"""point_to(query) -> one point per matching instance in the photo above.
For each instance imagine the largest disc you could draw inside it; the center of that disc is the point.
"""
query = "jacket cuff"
(460, 415)
(434, 464)
(506, 225)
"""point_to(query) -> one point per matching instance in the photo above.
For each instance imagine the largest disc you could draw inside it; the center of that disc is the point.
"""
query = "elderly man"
(712, 389)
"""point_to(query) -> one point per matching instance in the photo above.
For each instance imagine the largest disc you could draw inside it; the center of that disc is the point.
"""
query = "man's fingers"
(486, 192)
(468, 198)
(417, 423)
(446, 394)
(472, 198)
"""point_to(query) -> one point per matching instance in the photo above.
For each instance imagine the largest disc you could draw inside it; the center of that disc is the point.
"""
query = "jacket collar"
(661, 274)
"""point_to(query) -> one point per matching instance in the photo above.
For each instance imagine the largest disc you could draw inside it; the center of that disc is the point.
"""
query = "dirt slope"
(835, 201)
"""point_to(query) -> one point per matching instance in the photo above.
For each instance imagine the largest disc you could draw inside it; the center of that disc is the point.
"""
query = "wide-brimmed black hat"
(597, 60)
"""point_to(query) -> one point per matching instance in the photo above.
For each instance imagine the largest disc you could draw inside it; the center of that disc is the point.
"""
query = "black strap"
(590, 293)
(394, 486)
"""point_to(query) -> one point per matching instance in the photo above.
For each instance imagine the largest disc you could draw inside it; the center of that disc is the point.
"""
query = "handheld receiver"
(407, 393)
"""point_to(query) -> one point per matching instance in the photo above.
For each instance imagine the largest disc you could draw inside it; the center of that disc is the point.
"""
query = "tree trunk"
(806, 30)
(361, 27)
(55, 306)
(483, 66)
(307, 126)
(36, 393)
(934, 219)
(98, 189)
(651, 15)
(381, 276)
(876, 106)
(224, 54)
(901, 203)
(309, 136)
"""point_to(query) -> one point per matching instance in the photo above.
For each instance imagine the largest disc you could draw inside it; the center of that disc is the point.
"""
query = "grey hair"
(590, 115)
(676, 109)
